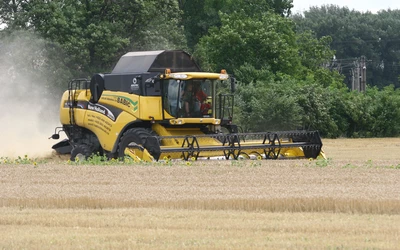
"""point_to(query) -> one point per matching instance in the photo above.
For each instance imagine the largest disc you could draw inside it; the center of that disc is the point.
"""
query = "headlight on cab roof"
(223, 76)
(178, 76)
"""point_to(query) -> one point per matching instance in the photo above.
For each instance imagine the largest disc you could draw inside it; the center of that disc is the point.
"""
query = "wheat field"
(349, 201)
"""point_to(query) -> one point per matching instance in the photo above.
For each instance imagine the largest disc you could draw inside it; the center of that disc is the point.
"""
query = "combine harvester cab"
(159, 104)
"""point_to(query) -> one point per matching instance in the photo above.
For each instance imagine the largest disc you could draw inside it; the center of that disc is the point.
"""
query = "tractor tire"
(82, 152)
(140, 137)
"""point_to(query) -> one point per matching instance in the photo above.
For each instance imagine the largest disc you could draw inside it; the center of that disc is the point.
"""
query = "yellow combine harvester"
(157, 104)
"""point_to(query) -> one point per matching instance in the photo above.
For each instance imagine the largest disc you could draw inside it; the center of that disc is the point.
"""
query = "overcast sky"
(360, 5)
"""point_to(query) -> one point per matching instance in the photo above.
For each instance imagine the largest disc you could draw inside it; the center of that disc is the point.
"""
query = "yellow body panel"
(162, 131)
(150, 108)
(106, 129)
(124, 101)
(82, 94)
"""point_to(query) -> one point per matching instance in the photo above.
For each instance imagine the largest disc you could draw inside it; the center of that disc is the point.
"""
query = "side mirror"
(233, 84)
(153, 82)
(150, 82)
(55, 136)
(96, 87)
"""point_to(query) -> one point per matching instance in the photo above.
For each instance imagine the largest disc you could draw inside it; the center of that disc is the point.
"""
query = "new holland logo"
(102, 110)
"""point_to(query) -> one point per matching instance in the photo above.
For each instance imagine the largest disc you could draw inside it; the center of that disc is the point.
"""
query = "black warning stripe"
(107, 110)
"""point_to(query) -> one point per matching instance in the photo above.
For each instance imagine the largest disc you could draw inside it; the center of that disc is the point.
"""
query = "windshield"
(189, 98)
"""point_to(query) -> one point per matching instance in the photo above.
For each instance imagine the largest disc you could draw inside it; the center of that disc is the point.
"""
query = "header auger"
(159, 104)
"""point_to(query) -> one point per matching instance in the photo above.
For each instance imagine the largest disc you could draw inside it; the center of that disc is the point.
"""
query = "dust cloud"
(28, 107)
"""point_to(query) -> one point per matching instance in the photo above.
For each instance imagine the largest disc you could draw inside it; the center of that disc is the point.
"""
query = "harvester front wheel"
(81, 152)
(139, 137)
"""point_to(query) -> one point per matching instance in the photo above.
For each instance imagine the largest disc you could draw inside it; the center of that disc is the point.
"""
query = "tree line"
(291, 70)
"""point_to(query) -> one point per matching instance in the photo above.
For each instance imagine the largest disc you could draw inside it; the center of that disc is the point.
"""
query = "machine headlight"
(176, 121)
(223, 76)
(178, 76)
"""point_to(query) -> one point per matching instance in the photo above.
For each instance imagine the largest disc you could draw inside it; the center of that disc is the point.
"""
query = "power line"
(365, 41)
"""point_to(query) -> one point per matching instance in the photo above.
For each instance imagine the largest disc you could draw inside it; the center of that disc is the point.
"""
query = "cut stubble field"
(349, 201)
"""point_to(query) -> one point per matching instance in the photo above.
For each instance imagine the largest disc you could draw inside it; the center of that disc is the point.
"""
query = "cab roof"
(156, 61)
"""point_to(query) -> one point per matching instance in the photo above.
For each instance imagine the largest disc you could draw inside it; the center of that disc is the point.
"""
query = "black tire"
(309, 151)
(82, 151)
(221, 135)
(153, 133)
(142, 138)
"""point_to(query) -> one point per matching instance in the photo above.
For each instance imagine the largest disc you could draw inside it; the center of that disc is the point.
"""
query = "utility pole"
(363, 69)
(352, 78)
(359, 75)
(356, 76)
